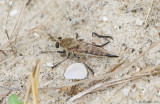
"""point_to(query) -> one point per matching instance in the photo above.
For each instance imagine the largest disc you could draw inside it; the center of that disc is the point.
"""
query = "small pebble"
(159, 93)
(137, 69)
(76, 71)
(13, 13)
(10, 3)
(126, 91)
(139, 22)
(36, 34)
(49, 64)
(105, 19)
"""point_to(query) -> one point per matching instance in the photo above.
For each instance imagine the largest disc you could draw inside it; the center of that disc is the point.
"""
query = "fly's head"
(66, 43)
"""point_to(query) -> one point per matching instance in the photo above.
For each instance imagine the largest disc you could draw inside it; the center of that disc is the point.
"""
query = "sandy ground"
(28, 28)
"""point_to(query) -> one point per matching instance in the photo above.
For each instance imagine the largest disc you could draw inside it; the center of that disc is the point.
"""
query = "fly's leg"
(61, 61)
(110, 55)
(84, 64)
(101, 36)
(3, 52)
(77, 36)
(47, 52)
(102, 45)
(88, 67)
(61, 51)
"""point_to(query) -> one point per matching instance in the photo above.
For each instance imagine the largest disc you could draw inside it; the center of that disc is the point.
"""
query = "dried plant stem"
(6, 26)
(120, 87)
(34, 82)
(107, 84)
(149, 12)
(6, 60)
(90, 15)
(19, 20)
(33, 90)
(28, 21)
(29, 86)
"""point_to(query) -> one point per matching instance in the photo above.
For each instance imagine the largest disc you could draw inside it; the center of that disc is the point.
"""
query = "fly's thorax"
(68, 43)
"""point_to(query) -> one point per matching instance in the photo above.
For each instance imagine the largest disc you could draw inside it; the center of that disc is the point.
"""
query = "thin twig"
(6, 60)
(149, 12)
(10, 88)
(6, 31)
(114, 93)
(28, 21)
(28, 2)
(19, 20)
(90, 15)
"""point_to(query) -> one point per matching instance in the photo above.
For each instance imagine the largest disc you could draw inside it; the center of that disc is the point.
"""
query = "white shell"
(76, 71)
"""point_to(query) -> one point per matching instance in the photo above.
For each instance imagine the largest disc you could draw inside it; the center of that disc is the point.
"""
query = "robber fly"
(71, 45)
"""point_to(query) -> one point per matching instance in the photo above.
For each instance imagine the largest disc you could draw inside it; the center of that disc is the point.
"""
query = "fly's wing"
(88, 48)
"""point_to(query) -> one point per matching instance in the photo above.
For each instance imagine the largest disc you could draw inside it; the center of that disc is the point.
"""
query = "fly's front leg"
(62, 53)
(77, 36)
(61, 61)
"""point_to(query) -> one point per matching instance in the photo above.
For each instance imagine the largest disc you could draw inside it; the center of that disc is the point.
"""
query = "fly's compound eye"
(59, 38)
(57, 44)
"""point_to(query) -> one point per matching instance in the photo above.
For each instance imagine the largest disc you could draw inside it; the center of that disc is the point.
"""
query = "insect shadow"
(78, 46)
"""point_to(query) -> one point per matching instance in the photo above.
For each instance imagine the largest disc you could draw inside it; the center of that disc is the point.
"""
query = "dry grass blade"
(10, 88)
(34, 82)
(107, 84)
(149, 12)
(6, 60)
(6, 25)
(37, 74)
(28, 21)
(19, 20)
(114, 93)
(29, 86)
(33, 90)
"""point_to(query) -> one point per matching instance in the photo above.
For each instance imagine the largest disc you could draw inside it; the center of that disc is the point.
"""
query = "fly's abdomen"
(96, 51)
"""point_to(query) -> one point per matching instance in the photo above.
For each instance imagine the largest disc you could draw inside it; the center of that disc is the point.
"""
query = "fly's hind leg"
(3, 52)
(88, 68)
(102, 45)
(101, 36)
(81, 60)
